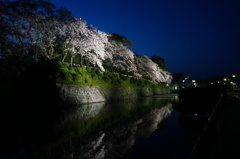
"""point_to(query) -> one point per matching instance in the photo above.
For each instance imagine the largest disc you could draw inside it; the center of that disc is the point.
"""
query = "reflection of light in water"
(92, 110)
(115, 142)
(80, 112)
(154, 118)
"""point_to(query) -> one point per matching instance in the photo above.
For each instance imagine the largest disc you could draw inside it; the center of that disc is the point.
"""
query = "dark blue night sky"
(198, 37)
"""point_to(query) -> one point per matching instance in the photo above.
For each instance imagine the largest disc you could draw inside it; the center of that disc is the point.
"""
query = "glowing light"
(225, 79)
(233, 76)
(193, 81)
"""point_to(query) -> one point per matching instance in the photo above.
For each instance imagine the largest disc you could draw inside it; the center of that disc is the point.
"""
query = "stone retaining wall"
(73, 94)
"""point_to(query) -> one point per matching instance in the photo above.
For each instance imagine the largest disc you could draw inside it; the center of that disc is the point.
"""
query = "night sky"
(197, 37)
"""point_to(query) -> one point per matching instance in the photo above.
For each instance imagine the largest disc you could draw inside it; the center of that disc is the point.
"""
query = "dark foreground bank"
(220, 138)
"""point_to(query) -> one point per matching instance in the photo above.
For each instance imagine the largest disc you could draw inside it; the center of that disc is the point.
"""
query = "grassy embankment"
(88, 76)
(65, 74)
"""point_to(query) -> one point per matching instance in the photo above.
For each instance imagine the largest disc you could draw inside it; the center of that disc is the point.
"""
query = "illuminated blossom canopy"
(43, 32)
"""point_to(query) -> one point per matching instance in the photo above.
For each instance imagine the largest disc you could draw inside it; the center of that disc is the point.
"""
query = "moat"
(146, 127)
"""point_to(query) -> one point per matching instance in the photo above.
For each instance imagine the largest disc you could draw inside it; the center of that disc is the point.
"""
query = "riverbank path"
(221, 136)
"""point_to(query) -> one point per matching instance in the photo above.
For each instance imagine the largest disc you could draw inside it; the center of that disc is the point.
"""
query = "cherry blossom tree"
(121, 57)
(31, 26)
(146, 68)
(15, 26)
(80, 39)
(86, 41)
(98, 44)
(77, 39)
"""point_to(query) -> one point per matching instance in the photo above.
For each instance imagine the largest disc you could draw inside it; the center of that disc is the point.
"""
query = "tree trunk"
(71, 61)
(81, 62)
(52, 51)
(64, 57)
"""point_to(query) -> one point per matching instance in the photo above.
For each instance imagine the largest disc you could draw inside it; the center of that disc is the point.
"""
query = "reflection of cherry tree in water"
(115, 142)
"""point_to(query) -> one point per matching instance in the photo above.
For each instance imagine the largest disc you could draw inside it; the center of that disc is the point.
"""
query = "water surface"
(143, 128)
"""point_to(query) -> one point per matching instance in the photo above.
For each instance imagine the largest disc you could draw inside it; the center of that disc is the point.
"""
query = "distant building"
(229, 81)
(182, 81)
